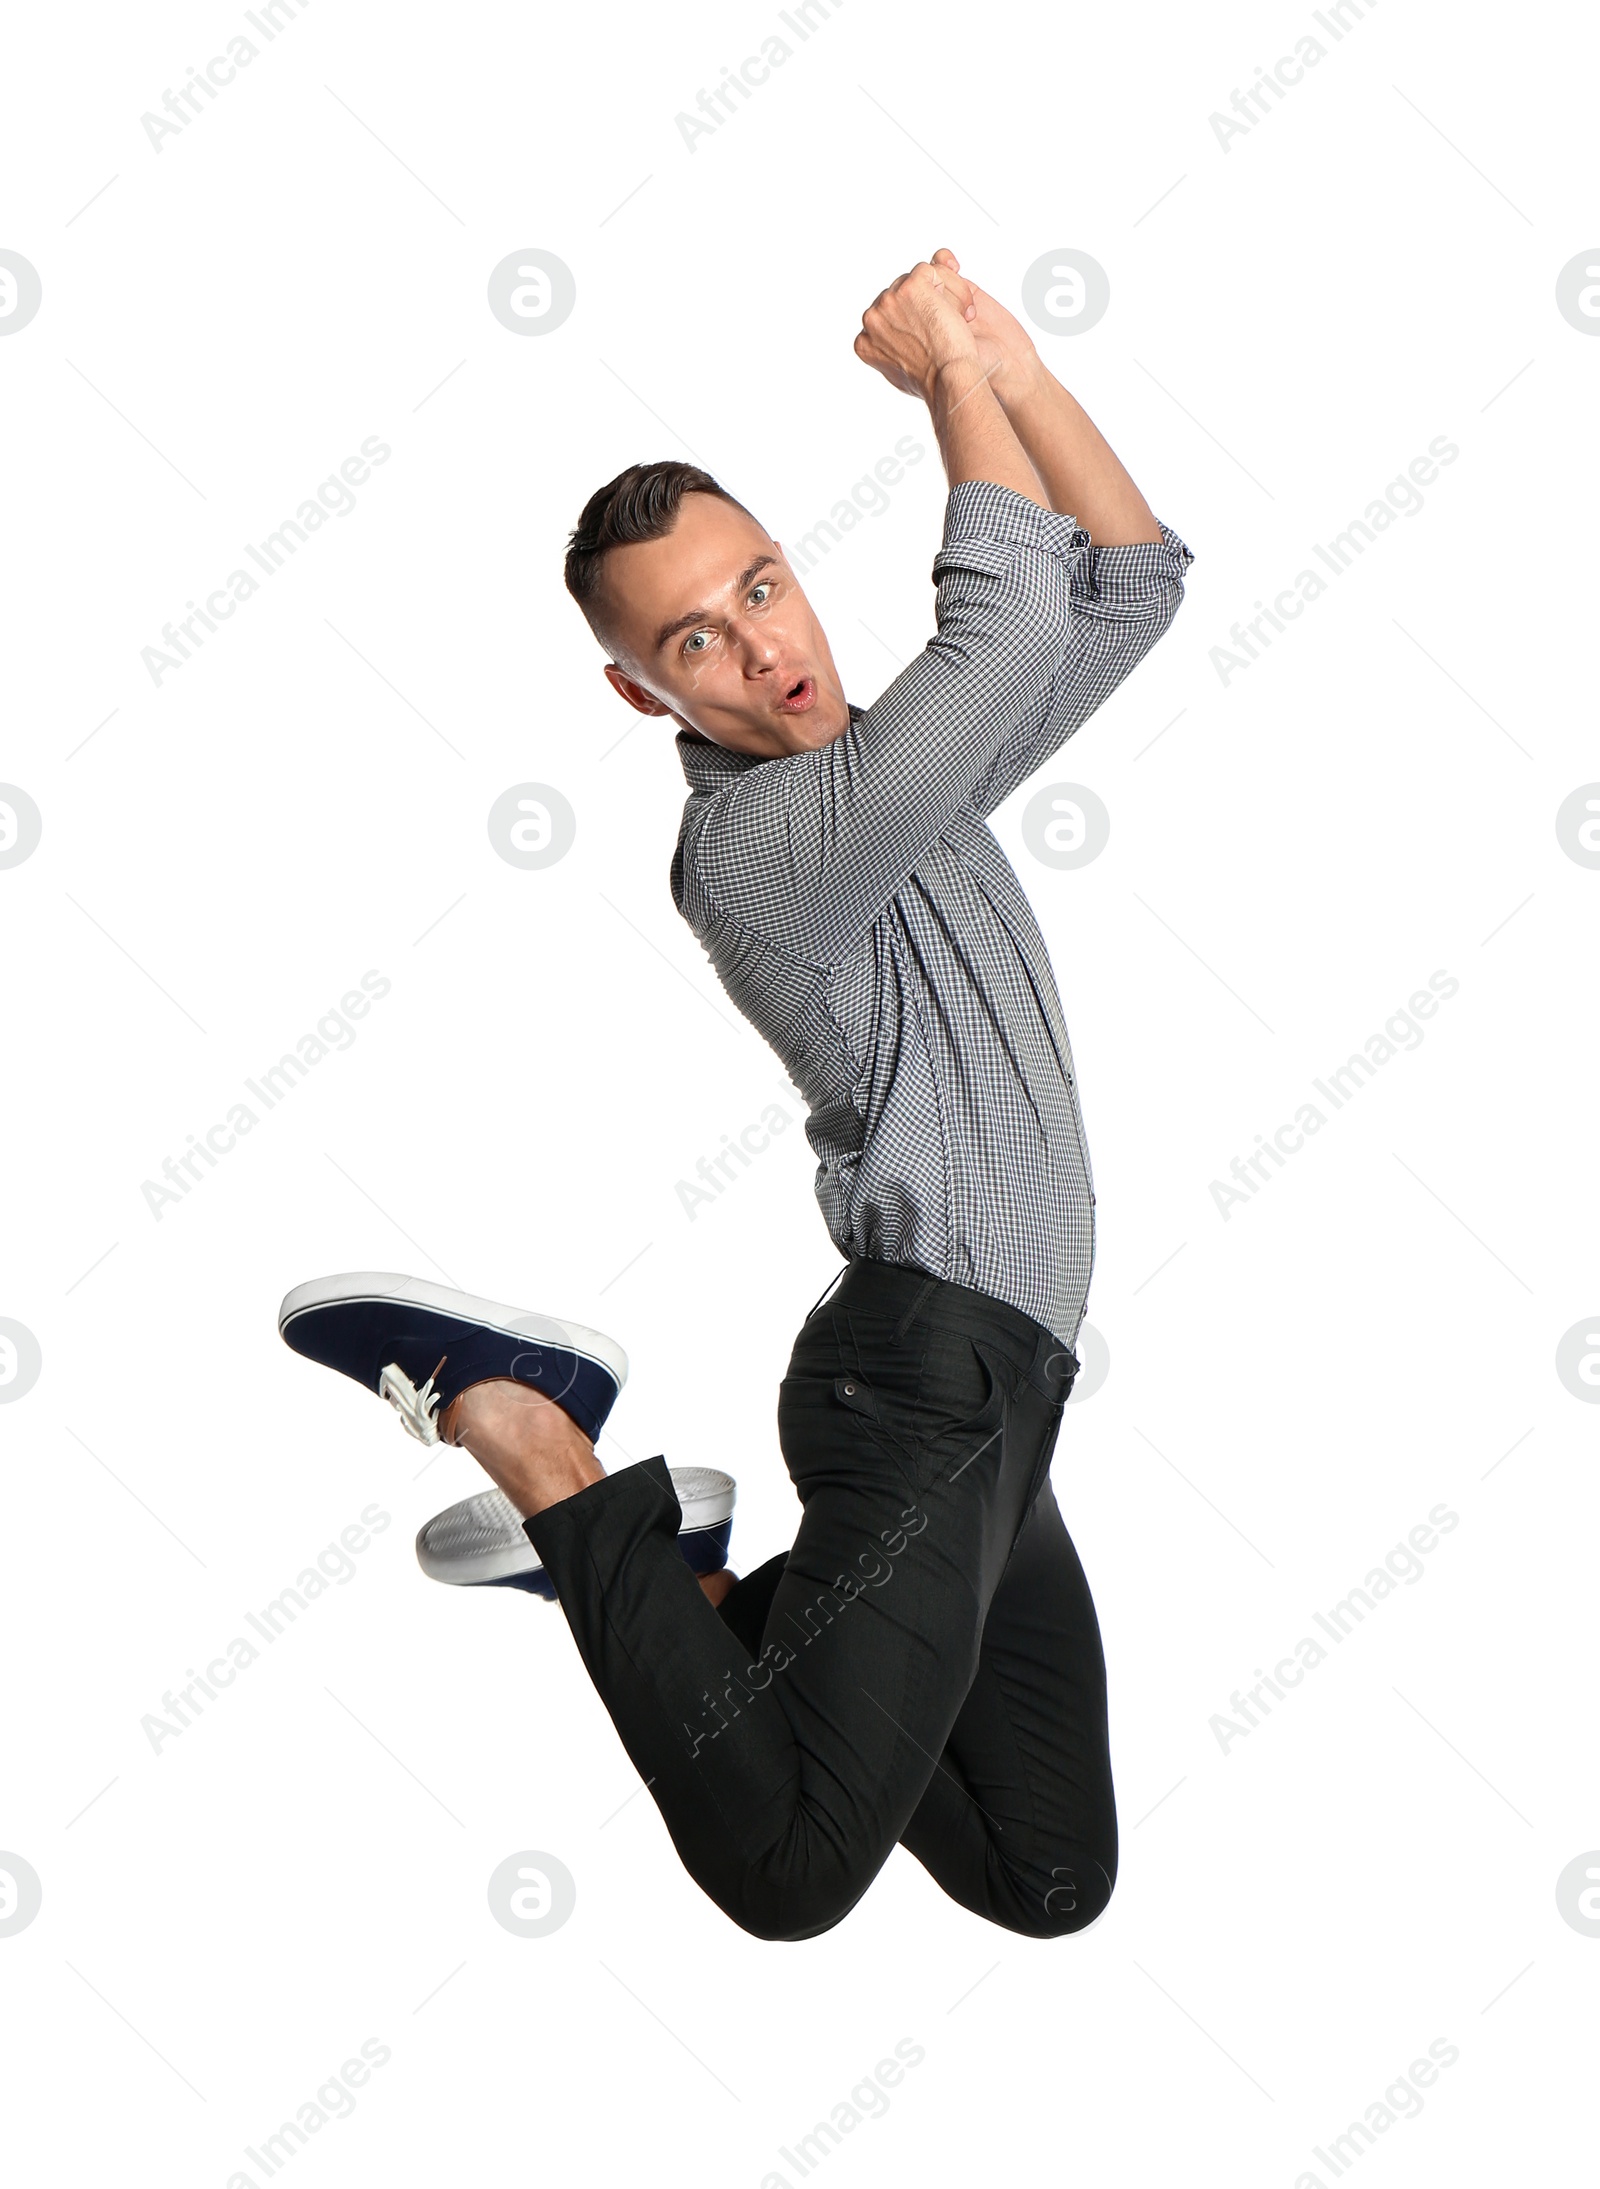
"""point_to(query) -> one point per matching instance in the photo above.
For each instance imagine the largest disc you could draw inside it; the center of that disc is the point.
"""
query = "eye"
(762, 585)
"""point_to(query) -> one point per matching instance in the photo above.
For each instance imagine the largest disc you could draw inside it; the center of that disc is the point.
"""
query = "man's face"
(709, 625)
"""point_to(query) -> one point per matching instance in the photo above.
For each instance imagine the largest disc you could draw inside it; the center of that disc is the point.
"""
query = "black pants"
(923, 1667)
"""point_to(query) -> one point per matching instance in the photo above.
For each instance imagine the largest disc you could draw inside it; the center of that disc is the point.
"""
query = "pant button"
(850, 1390)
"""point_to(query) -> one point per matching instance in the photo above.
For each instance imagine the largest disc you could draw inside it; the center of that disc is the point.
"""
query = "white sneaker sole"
(483, 1539)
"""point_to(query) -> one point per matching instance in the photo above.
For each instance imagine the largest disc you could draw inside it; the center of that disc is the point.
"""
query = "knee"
(783, 1933)
(1077, 1894)
(787, 1917)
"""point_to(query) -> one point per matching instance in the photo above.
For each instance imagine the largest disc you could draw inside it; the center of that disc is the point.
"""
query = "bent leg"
(785, 1777)
(1019, 1823)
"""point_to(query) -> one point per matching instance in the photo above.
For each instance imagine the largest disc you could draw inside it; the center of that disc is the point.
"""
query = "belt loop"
(915, 1309)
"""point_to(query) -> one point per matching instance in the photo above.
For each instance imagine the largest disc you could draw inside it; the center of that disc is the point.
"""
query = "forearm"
(808, 849)
(1080, 472)
(976, 438)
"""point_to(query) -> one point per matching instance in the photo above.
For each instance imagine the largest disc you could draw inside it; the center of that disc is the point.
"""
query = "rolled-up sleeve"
(1122, 600)
(809, 847)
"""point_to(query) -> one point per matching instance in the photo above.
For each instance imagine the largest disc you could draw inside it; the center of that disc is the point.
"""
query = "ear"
(634, 693)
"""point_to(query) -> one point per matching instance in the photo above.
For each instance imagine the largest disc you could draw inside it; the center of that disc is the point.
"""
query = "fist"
(918, 325)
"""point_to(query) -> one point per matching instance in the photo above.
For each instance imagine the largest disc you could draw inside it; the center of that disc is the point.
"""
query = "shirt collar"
(707, 766)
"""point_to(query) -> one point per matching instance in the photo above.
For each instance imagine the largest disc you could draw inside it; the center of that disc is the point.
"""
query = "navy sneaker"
(418, 1344)
(481, 1543)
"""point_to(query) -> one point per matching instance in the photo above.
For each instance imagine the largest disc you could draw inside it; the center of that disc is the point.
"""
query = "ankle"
(528, 1445)
(499, 1409)
(535, 1484)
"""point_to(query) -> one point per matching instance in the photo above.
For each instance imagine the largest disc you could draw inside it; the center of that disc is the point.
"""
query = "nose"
(760, 646)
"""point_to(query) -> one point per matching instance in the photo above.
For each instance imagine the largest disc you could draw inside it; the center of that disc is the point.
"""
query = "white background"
(1292, 853)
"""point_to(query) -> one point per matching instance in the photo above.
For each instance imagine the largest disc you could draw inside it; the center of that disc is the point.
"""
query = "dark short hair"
(640, 503)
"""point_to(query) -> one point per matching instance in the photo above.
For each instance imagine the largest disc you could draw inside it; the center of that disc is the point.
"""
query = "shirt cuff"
(979, 511)
(1125, 573)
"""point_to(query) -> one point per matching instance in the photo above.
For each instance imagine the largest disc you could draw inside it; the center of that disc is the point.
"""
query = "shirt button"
(849, 1390)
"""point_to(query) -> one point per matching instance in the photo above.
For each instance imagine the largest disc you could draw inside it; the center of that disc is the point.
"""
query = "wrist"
(1022, 382)
(953, 379)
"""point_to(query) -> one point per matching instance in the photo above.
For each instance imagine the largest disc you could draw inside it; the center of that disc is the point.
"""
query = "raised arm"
(808, 847)
(917, 335)
(1077, 467)
(1129, 585)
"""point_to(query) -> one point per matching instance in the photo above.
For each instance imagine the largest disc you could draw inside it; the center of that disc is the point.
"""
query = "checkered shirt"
(859, 911)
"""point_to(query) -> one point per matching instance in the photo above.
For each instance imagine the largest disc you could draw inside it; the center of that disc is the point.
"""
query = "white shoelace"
(418, 1410)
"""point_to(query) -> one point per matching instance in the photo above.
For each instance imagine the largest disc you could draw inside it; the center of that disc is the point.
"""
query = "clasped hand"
(932, 319)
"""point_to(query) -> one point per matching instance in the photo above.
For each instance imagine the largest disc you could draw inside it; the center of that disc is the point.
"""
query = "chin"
(817, 739)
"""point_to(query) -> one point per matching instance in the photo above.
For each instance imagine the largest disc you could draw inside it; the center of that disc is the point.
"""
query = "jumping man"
(924, 1666)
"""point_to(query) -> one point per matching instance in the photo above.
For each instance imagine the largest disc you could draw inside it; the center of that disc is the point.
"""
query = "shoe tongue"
(477, 1354)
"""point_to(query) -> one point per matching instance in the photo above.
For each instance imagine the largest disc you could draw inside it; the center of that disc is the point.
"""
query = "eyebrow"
(698, 616)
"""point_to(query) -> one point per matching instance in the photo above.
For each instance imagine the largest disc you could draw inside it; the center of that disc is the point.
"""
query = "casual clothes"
(924, 1666)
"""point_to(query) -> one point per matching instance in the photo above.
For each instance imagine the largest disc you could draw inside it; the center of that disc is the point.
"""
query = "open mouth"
(799, 696)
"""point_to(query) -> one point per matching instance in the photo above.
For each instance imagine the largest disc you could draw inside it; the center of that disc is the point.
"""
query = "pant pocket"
(939, 1411)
